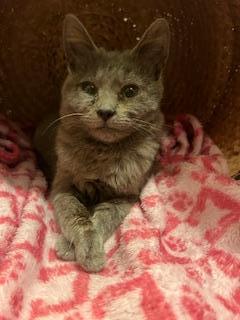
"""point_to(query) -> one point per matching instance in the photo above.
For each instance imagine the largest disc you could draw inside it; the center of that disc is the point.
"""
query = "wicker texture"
(203, 75)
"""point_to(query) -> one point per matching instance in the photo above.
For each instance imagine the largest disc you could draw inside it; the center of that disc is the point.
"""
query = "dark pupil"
(130, 91)
(89, 88)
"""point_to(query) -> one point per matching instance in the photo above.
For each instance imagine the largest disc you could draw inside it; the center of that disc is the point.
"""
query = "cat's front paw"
(64, 249)
(89, 249)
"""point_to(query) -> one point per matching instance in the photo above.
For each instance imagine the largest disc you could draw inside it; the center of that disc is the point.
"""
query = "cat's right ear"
(78, 45)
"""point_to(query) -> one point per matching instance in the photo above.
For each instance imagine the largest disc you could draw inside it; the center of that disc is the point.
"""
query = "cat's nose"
(105, 114)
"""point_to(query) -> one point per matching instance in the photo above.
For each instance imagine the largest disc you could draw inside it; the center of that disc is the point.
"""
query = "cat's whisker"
(147, 125)
(150, 128)
(151, 125)
(139, 127)
(59, 119)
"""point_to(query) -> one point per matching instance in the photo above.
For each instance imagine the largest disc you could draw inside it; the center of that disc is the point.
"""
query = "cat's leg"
(76, 227)
(65, 249)
(109, 215)
(106, 218)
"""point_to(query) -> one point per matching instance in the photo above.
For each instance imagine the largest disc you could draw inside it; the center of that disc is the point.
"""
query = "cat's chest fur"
(122, 168)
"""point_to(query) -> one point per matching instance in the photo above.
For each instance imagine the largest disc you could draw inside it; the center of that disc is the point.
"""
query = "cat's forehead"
(118, 67)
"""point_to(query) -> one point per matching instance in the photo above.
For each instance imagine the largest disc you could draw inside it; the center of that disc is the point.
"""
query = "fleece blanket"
(176, 255)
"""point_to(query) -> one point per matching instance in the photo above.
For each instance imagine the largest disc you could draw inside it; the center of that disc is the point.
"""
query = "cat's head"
(113, 94)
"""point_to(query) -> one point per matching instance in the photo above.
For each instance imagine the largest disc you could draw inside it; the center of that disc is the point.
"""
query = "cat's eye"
(130, 90)
(89, 88)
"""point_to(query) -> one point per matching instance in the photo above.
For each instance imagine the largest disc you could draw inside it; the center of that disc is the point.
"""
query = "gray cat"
(108, 137)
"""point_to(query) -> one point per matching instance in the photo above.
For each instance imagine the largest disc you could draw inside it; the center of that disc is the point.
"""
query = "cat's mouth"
(107, 133)
(105, 126)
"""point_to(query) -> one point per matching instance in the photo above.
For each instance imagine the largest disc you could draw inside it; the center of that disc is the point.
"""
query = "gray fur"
(102, 166)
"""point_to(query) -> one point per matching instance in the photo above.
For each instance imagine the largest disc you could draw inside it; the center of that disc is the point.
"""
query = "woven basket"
(203, 76)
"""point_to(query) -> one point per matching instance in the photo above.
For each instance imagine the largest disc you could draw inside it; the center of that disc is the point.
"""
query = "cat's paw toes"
(89, 251)
(64, 249)
(93, 263)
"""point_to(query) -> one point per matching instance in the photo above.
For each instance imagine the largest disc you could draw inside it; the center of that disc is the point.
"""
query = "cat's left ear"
(153, 48)
(78, 44)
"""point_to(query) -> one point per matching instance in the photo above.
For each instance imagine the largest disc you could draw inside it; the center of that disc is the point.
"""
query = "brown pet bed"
(203, 76)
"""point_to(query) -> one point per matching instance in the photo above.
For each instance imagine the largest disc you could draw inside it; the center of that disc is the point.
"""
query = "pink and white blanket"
(176, 256)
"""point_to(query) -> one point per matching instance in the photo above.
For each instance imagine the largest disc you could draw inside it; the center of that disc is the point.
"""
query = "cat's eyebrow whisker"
(59, 119)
